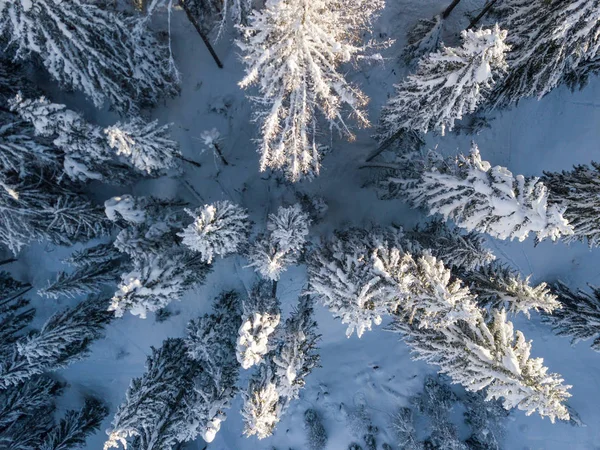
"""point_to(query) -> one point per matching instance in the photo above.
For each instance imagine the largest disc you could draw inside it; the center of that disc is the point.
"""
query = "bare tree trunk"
(190, 161)
(483, 12)
(7, 261)
(218, 150)
(274, 288)
(449, 9)
(194, 22)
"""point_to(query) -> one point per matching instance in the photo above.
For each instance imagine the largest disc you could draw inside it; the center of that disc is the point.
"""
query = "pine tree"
(218, 13)
(489, 354)
(156, 413)
(218, 230)
(89, 49)
(211, 342)
(479, 197)
(404, 429)
(15, 313)
(89, 152)
(341, 275)
(74, 427)
(457, 249)
(88, 279)
(260, 318)
(447, 85)
(296, 355)
(262, 409)
(283, 243)
(155, 280)
(63, 339)
(148, 147)
(578, 191)
(317, 435)
(579, 316)
(26, 412)
(550, 40)
(497, 286)
(298, 77)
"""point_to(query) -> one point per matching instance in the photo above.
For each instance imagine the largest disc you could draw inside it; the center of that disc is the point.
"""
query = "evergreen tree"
(218, 13)
(283, 243)
(578, 191)
(296, 355)
(457, 249)
(404, 429)
(62, 340)
(341, 275)
(89, 49)
(15, 313)
(147, 147)
(479, 197)
(155, 280)
(260, 318)
(447, 85)
(489, 354)
(262, 408)
(298, 77)
(551, 40)
(211, 342)
(497, 286)
(156, 413)
(75, 426)
(89, 152)
(218, 230)
(579, 316)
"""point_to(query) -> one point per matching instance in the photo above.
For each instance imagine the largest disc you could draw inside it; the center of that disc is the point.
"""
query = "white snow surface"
(375, 371)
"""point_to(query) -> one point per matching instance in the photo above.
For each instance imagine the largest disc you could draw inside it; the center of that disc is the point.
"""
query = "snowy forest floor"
(375, 371)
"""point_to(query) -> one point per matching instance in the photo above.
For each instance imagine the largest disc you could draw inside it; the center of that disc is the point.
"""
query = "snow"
(375, 371)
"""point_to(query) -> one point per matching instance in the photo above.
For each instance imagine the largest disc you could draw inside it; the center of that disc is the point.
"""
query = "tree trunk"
(194, 22)
(218, 150)
(449, 9)
(274, 288)
(7, 261)
(483, 12)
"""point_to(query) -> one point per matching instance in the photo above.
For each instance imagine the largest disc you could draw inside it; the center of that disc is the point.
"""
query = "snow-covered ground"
(375, 371)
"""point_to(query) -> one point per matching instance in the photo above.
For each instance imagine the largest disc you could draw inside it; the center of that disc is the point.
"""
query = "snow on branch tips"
(218, 230)
(479, 197)
(447, 85)
(292, 50)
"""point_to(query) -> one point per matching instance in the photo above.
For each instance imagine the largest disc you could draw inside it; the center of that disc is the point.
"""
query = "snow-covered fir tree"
(282, 372)
(155, 280)
(282, 245)
(296, 355)
(90, 49)
(479, 197)
(260, 318)
(15, 313)
(497, 286)
(292, 51)
(146, 146)
(578, 191)
(262, 408)
(550, 40)
(62, 340)
(447, 85)
(579, 316)
(74, 427)
(157, 413)
(116, 154)
(219, 229)
(211, 341)
(404, 429)
(219, 13)
(490, 354)
(457, 249)
(341, 276)
(85, 280)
